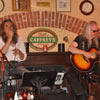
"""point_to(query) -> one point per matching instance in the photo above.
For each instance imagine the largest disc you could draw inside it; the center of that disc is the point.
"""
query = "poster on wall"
(63, 5)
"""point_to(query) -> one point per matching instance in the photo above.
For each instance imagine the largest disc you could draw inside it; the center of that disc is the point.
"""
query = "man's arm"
(73, 49)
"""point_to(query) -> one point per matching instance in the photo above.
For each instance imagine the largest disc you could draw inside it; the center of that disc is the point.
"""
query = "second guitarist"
(81, 45)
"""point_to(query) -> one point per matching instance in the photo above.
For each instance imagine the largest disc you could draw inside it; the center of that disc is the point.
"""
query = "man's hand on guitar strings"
(93, 55)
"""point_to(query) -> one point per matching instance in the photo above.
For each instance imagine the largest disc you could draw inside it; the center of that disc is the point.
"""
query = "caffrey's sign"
(40, 37)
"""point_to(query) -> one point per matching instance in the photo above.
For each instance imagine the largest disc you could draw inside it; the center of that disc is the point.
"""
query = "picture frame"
(63, 5)
(21, 5)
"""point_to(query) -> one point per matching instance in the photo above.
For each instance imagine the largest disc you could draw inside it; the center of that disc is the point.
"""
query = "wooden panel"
(47, 58)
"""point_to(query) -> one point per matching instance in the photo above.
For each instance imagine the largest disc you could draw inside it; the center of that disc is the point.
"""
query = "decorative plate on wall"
(86, 7)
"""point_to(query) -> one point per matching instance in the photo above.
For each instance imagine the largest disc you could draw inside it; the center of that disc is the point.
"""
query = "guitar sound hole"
(85, 59)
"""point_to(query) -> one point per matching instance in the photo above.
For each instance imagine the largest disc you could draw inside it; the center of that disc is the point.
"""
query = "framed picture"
(21, 5)
(63, 5)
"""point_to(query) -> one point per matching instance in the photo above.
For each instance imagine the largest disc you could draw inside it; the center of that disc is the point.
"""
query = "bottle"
(45, 49)
(29, 96)
(31, 93)
(24, 94)
(10, 95)
(16, 96)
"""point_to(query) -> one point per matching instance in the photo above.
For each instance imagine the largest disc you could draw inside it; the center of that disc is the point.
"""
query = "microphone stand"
(3, 71)
(5, 58)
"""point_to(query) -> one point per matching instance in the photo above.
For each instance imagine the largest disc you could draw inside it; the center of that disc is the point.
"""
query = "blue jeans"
(5, 79)
(6, 76)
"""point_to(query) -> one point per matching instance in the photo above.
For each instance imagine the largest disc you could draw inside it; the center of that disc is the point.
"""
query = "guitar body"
(81, 63)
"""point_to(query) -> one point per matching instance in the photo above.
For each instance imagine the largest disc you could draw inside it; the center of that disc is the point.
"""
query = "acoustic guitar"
(83, 64)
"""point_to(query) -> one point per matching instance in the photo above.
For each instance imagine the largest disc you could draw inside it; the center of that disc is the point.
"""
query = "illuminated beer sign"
(40, 37)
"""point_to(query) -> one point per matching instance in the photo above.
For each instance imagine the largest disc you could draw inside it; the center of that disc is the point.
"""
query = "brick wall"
(46, 19)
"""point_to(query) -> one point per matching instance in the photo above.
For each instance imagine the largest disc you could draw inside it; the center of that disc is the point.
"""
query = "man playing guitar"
(81, 46)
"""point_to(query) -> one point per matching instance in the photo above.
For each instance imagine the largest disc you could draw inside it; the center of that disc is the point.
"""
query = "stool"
(94, 80)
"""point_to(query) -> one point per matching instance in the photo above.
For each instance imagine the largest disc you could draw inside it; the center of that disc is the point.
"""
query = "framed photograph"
(63, 5)
(21, 5)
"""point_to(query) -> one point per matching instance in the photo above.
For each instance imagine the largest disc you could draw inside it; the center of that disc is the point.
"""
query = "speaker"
(58, 96)
(27, 47)
(61, 47)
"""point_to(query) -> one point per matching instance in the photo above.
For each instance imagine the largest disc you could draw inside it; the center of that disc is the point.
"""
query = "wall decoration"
(86, 7)
(41, 37)
(43, 4)
(65, 38)
(63, 5)
(21, 5)
(1, 5)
